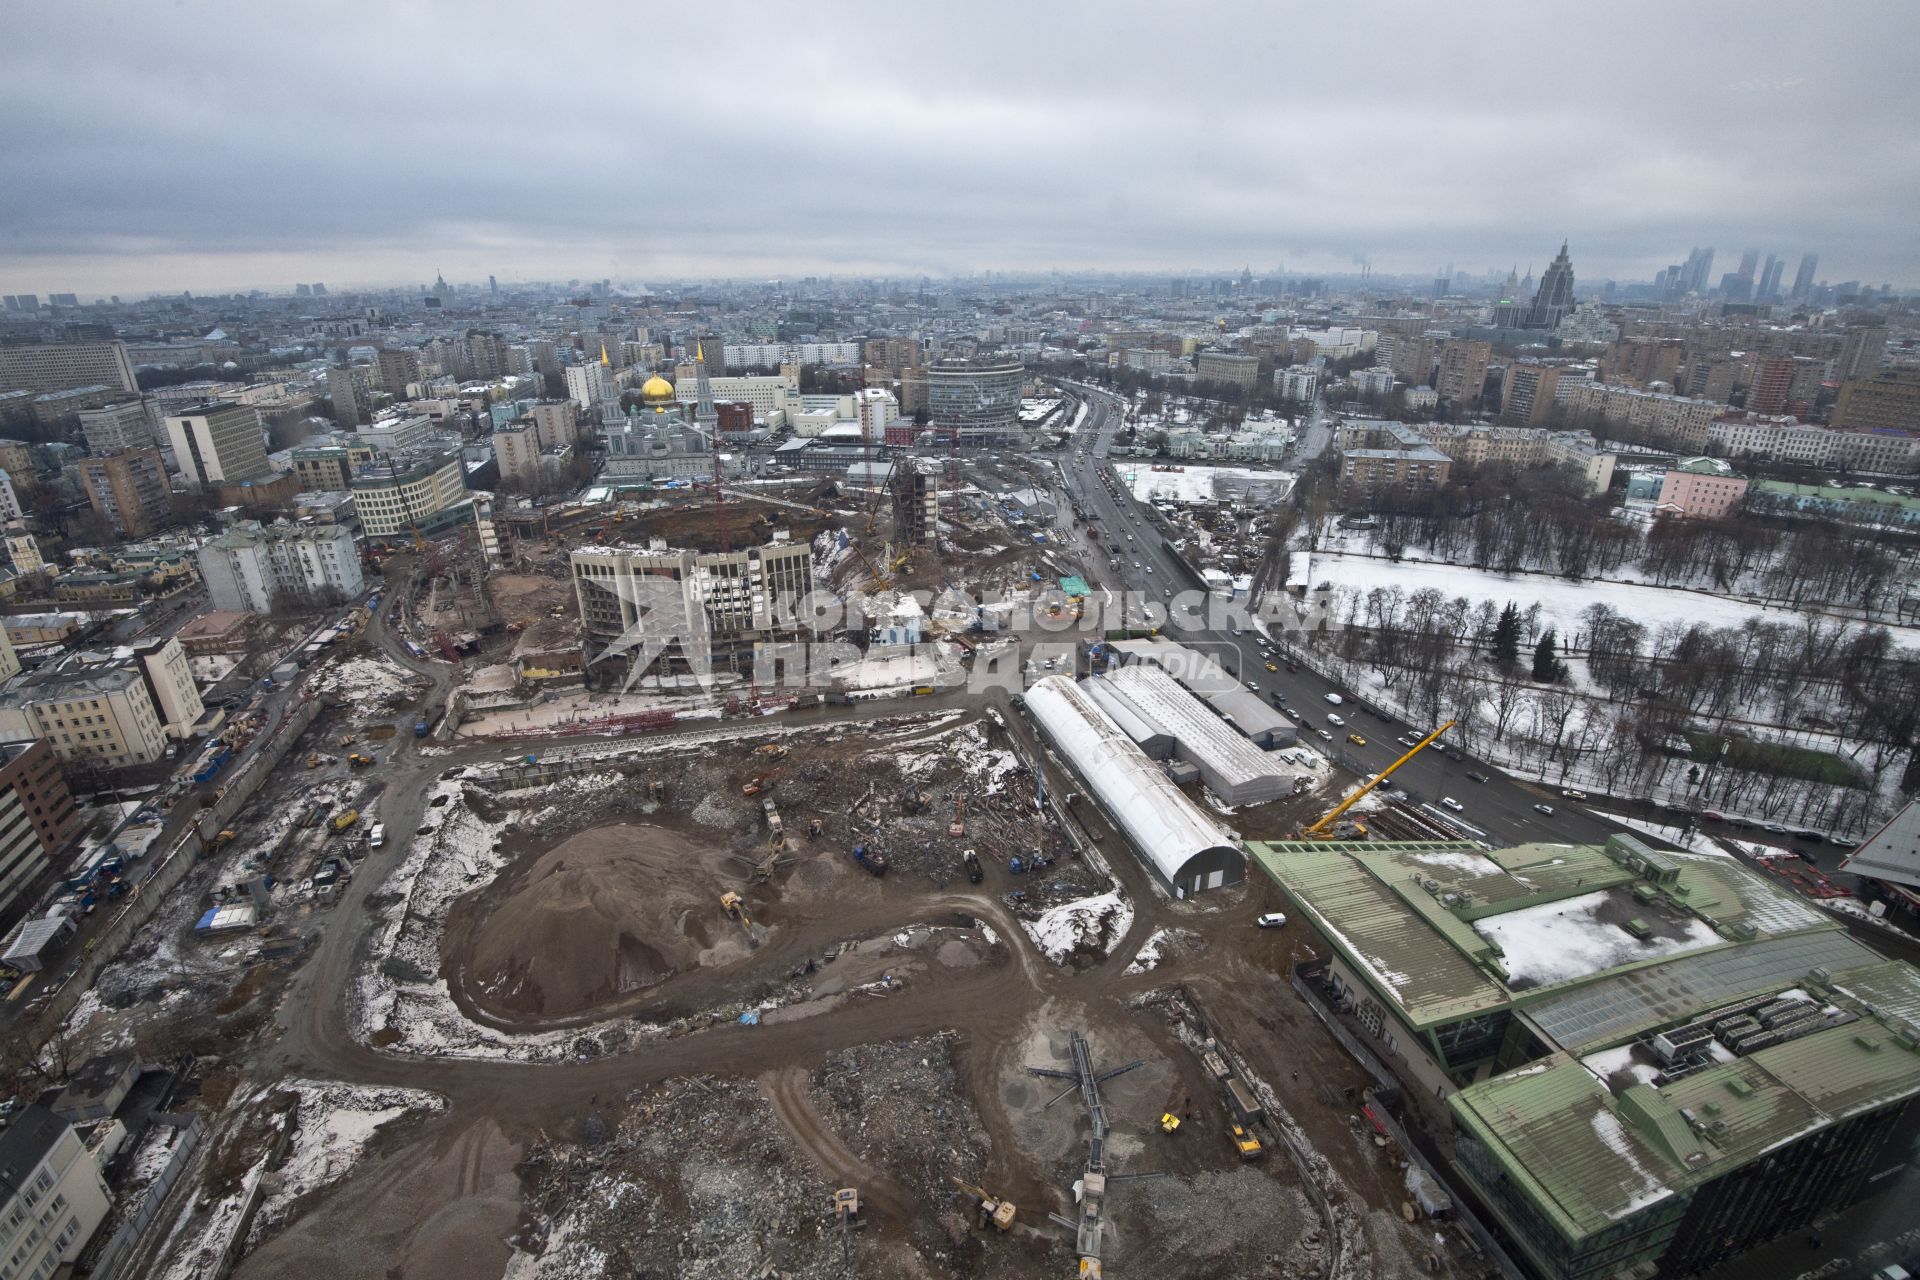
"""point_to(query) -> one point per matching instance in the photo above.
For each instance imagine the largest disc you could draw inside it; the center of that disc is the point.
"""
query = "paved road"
(1501, 807)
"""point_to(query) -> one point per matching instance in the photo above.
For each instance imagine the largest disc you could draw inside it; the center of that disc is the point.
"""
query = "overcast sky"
(211, 146)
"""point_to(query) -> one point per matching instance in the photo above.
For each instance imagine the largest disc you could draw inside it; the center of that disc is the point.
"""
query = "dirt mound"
(606, 912)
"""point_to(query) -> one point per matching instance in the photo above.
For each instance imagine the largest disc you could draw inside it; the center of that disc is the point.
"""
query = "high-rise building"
(60, 365)
(352, 392)
(1698, 271)
(1860, 353)
(397, 370)
(486, 355)
(1749, 264)
(1463, 370)
(114, 427)
(1770, 279)
(590, 386)
(37, 814)
(216, 442)
(129, 490)
(974, 405)
(1526, 397)
(1772, 380)
(1553, 301)
(1803, 278)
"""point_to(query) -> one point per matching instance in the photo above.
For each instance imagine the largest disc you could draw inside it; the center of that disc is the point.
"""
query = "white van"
(377, 836)
(1334, 720)
(1335, 699)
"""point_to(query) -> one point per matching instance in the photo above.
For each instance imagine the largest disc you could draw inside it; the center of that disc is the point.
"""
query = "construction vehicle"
(847, 1216)
(916, 801)
(776, 830)
(972, 861)
(315, 760)
(736, 908)
(772, 750)
(813, 828)
(958, 827)
(1169, 1122)
(874, 861)
(345, 819)
(1331, 828)
(991, 1208)
(357, 761)
(762, 783)
(221, 841)
(1245, 1143)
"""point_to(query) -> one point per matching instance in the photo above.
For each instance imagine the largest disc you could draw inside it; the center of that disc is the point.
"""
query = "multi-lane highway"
(1501, 806)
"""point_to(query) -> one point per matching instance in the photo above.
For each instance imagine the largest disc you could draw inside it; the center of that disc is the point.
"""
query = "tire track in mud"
(786, 1089)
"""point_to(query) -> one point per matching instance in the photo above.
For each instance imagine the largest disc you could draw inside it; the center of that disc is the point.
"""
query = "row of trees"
(1541, 519)
(1831, 683)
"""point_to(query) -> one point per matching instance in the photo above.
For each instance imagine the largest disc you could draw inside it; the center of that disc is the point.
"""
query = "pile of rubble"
(696, 1178)
(901, 1107)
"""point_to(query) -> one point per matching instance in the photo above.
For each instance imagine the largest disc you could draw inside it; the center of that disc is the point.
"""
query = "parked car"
(1452, 804)
(1774, 828)
(1271, 920)
(1571, 794)
(1713, 815)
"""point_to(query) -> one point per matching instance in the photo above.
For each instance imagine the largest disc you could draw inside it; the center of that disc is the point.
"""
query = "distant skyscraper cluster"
(1754, 281)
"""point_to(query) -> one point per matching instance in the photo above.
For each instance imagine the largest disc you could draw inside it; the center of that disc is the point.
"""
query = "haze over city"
(218, 146)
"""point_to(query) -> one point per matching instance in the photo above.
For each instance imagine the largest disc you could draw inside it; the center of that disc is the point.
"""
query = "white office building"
(255, 568)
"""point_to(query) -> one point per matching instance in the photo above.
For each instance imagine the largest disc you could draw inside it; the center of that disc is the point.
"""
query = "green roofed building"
(1650, 1061)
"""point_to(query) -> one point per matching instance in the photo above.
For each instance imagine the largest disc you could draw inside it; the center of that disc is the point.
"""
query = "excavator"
(994, 1209)
(1331, 828)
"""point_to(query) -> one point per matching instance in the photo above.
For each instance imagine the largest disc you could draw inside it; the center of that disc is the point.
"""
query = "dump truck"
(971, 860)
(874, 861)
(345, 819)
(1245, 1143)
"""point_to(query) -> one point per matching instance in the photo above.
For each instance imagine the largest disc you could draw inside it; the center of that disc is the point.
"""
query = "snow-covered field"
(1560, 600)
(1190, 484)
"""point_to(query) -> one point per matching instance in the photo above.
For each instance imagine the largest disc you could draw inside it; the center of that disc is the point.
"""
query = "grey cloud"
(370, 139)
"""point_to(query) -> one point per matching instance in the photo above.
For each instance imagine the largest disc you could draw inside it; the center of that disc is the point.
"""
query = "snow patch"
(1093, 925)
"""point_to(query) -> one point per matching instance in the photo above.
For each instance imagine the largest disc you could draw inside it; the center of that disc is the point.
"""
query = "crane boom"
(1321, 829)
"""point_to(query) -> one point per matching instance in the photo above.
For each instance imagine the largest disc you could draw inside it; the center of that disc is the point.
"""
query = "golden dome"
(656, 390)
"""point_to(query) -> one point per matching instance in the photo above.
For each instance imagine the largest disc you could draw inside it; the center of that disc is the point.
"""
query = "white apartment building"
(255, 568)
(591, 385)
(101, 716)
(162, 664)
(9, 500)
(1781, 439)
(768, 355)
(1148, 360)
(873, 409)
(56, 1197)
(767, 395)
(1298, 384)
(215, 442)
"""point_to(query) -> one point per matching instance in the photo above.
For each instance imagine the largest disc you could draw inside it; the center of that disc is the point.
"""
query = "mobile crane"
(1325, 829)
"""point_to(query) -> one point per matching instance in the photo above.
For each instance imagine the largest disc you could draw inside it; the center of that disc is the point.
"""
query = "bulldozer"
(358, 761)
(990, 1208)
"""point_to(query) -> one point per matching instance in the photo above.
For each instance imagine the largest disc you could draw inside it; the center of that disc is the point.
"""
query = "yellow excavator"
(1329, 828)
(1000, 1212)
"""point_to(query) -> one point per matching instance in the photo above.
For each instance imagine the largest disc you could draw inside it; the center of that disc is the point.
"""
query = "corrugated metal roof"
(1610, 1010)
(1431, 980)
(1589, 1158)
(1156, 816)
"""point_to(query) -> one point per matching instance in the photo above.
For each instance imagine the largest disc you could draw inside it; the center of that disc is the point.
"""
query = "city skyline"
(177, 149)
